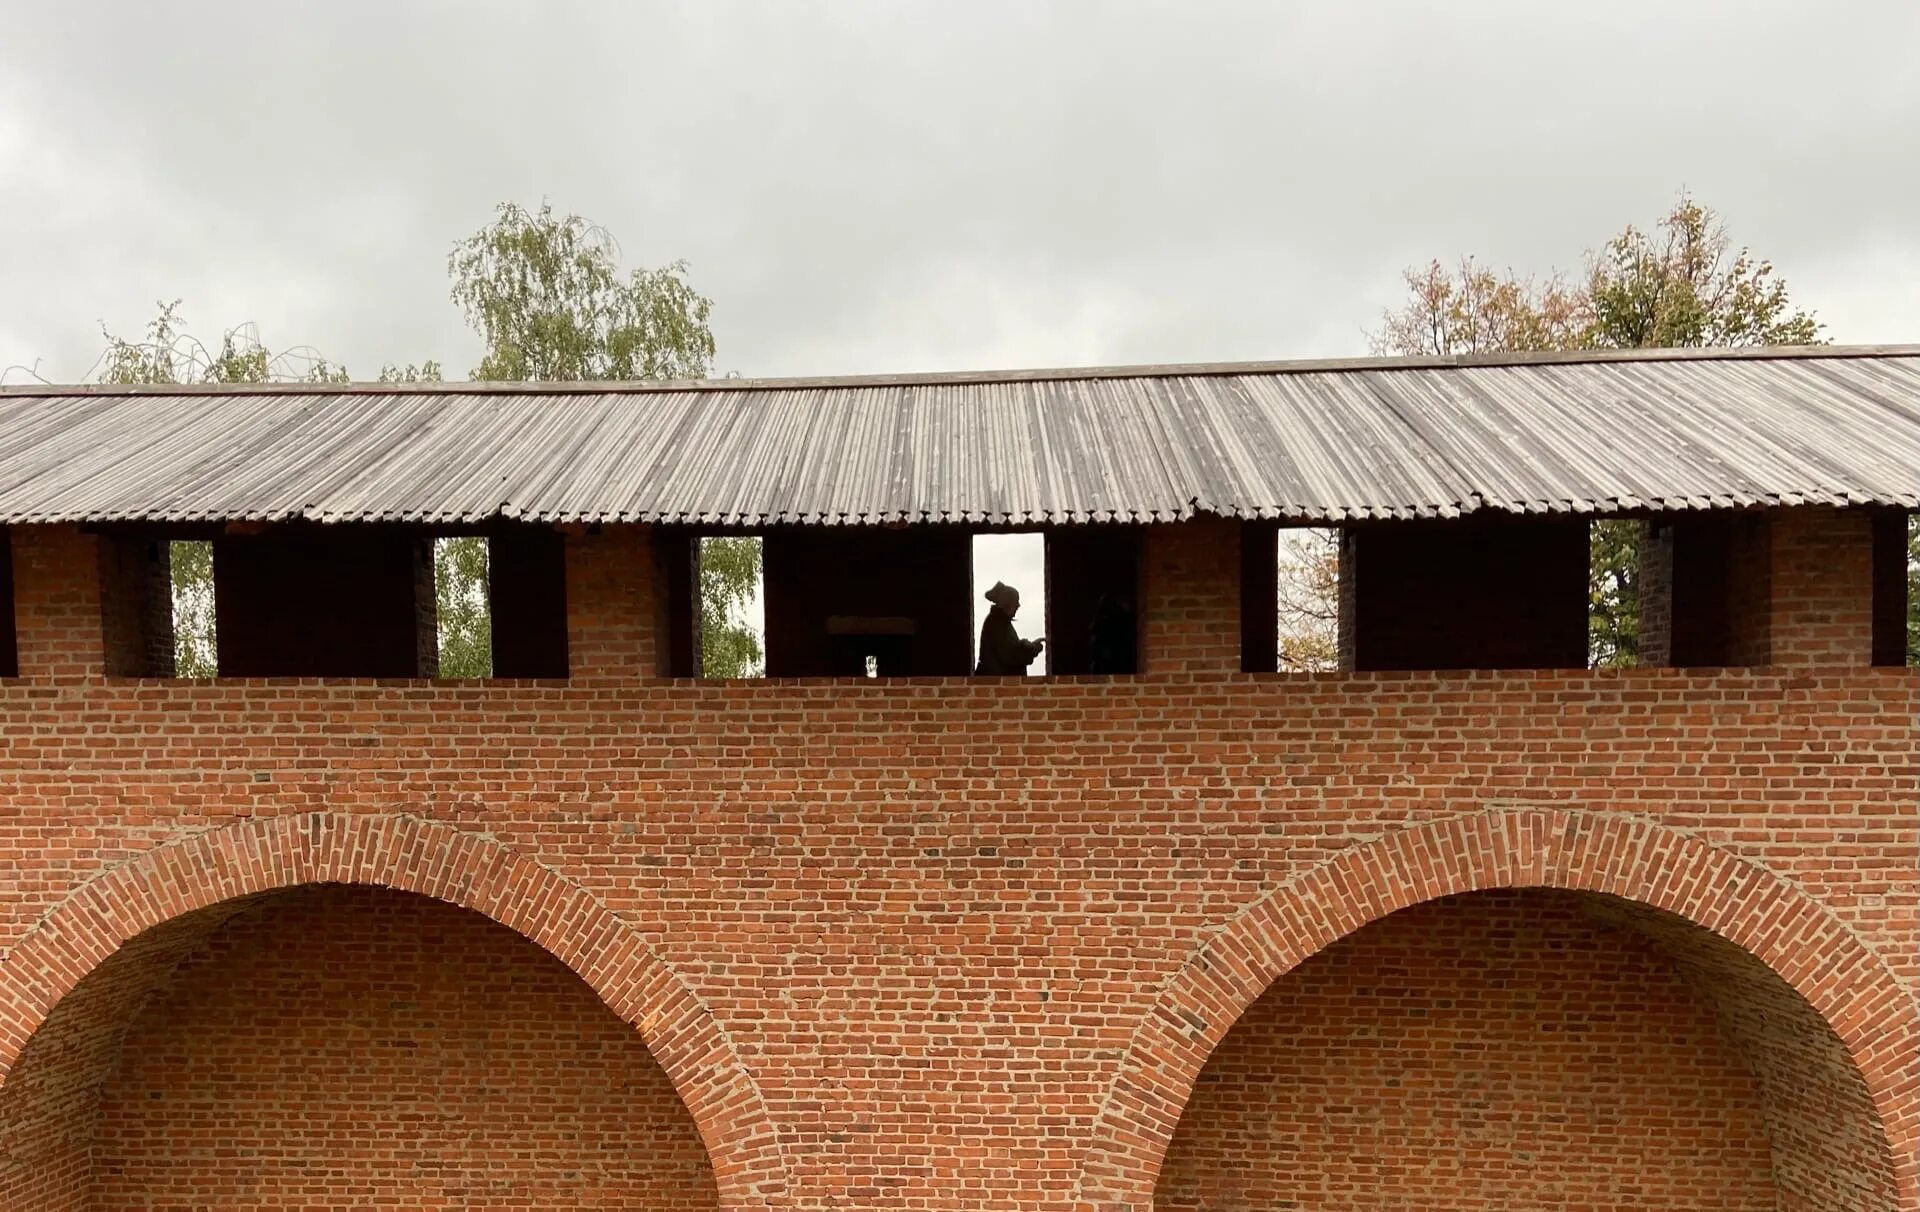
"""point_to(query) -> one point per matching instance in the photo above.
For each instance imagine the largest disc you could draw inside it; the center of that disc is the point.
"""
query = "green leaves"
(546, 296)
(1913, 589)
(1613, 593)
(1682, 285)
(191, 565)
(729, 577)
(462, 606)
(426, 372)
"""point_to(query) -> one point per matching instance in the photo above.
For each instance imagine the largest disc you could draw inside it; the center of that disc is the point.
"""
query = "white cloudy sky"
(887, 185)
(893, 185)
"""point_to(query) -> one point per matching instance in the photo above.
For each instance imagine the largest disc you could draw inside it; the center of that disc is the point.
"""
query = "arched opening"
(335, 1045)
(1529, 1047)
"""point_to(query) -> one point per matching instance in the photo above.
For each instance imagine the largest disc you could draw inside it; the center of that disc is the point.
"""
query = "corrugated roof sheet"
(1312, 441)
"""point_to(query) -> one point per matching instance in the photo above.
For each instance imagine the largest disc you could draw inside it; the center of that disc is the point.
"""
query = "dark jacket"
(1002, 650)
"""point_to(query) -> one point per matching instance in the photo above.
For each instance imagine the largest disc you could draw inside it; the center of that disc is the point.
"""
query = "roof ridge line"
(942, 378)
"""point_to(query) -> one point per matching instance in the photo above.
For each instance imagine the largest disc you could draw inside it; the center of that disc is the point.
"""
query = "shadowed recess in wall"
(333, 1044)
(1530, 1047)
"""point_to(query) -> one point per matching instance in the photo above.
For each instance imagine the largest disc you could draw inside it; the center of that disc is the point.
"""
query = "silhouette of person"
(1002, 651)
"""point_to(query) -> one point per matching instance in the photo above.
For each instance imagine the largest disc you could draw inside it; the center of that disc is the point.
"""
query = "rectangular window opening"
(1913, 589)
(730, 584)
(196, 652)
(1092, 585)
(1307, 600)
(463, 606)
(1896, 588)
(1614, 592)
(1018, 562)
(9, 639)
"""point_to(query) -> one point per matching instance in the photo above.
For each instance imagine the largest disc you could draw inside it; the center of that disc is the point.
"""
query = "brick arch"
(1632, 859)
(428, 858)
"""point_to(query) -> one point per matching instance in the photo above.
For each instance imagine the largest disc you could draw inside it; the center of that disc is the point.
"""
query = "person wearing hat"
(1002, 651)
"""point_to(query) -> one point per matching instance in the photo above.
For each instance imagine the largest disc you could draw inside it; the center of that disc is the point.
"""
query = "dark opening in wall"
(838, 596)
(891, 601)
(712, 608)
(526, 601)
(9, 639)
(136, 605)
(1471, 593)
(1896, 580)
(1260, 585)
(1092, 599)
(1705, 584)
(326, 601)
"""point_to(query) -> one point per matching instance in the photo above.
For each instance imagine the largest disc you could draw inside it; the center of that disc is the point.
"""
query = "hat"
(1002, 593)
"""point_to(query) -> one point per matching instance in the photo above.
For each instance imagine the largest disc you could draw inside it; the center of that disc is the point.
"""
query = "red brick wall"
(345, 1045)
(1818, 1116)
(1190, 598)
(919, 926)
(136, 590)
(1495, 1050)
(612, 621)
(56, 602)
(1789, 587)
(1822, 590)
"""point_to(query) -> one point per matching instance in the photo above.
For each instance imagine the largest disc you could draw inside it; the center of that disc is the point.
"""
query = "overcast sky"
(898, 186)
(904, 186)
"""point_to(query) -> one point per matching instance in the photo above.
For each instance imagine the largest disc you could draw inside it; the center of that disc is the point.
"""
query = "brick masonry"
(1462, 1049)
(330, 1011)
(935, 943)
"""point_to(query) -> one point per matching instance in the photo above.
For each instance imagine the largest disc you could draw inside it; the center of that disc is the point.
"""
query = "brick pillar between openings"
(1785, 587)
(1822, 601)
(614, 612)
(56, 592)
(1889, 586)
(1191, 598)
(136, 605)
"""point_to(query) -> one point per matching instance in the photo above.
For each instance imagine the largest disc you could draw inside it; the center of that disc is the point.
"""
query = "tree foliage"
(1309, 605)
(546, 295)
(1913, 590)
(1687, 286)
(1683, 284)
(729, 575)
(461, 607)
(170, 354)
(191, 569)
(1471, 309)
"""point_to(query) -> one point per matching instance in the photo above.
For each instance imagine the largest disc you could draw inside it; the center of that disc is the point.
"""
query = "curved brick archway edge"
(409, 854)
(1839, 975)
